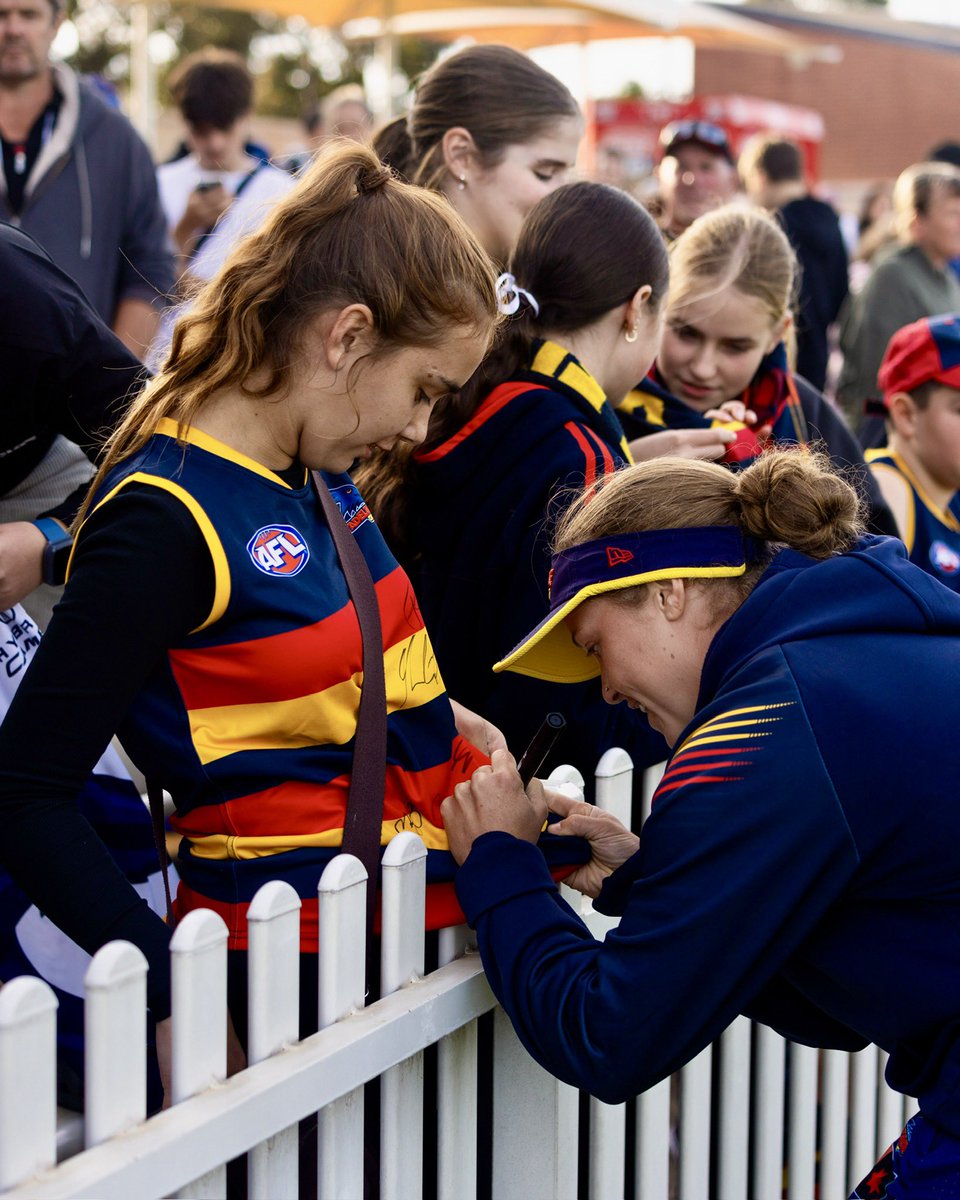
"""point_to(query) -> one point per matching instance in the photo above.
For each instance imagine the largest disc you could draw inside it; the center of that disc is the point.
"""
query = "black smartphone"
(541, 744)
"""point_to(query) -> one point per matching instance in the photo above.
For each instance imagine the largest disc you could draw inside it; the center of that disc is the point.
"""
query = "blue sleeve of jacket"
(746, 848)
(791, 1014)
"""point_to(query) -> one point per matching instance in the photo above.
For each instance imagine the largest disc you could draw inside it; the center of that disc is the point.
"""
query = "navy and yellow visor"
(609, 565)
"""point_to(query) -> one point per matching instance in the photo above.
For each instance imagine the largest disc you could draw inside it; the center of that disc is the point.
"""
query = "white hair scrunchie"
(509, 295)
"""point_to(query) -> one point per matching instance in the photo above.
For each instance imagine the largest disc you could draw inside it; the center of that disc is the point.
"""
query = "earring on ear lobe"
(631, 335)
(462, 185)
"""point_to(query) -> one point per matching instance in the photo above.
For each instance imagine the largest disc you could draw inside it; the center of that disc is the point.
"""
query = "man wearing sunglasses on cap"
(697, 172)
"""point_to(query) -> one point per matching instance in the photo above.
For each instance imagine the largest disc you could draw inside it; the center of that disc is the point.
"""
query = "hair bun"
(371, 177)
(797, 498)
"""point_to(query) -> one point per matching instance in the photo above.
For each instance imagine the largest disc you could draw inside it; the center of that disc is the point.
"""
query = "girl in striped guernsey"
(206, 615)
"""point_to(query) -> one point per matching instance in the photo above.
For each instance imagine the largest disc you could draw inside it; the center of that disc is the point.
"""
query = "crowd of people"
(434, 438)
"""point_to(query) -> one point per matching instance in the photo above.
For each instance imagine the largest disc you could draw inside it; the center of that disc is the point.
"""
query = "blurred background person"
(218, 191)
(76, 176)
(913, 281)
(344, 112)
(919, 468)
(697, 172)
(771, 168)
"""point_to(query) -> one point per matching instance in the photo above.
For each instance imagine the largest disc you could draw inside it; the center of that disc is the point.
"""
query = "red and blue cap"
(611, 564)
(927, 351)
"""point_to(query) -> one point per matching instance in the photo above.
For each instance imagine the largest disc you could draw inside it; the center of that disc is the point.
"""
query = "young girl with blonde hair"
(723, 357)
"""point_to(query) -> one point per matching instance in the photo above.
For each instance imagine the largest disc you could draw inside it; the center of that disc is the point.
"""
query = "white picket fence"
(751, 1118)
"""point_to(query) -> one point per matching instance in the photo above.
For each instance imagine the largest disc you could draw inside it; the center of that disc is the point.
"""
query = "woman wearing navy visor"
(783, 873)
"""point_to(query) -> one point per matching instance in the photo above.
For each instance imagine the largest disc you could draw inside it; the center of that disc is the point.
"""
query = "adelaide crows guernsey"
(249, 722)
(932, 534)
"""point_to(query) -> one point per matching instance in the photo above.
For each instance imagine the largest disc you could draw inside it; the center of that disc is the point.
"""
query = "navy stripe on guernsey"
(249, 722)
(932, 535)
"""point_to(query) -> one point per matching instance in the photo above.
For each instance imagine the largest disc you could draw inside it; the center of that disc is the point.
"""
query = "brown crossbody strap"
(368, 776)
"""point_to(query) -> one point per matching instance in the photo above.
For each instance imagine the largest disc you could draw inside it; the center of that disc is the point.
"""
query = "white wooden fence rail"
(751, 1118)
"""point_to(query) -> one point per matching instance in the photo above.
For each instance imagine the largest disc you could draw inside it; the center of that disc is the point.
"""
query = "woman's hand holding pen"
(493, 799)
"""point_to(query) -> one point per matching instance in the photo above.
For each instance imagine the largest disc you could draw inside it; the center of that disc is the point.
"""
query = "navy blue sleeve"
(141, 579)
(787, 1011)
(745, 850)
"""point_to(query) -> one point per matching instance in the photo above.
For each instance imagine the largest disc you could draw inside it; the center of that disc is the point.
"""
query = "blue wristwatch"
(56, 553)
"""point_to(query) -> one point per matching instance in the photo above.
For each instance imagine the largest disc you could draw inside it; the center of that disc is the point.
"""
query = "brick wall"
(884, 104)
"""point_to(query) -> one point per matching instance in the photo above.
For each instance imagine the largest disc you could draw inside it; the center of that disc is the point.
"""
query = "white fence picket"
(695, 1120)
(608, 1147)
(733, 1164)
(863, 1114)
(802, 1122)
(28, 1079)
(273, 988)
(457, 1107)
(534, 1124)
(198, 985)
(770, 1067)
(652, 1174)
(401, 1089)
(342, 965)
(835, 1065)
(891, 1110)
(615, 784)
(115, 1036)
(649, 784)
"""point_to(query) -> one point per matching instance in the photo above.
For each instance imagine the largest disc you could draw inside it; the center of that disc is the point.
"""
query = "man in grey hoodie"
(76, 177)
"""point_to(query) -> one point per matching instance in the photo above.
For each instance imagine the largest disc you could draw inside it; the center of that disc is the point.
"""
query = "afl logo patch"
(278, 550)
(946, 561)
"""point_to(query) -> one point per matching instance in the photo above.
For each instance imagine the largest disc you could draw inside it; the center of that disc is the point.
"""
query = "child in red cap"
(918, 471)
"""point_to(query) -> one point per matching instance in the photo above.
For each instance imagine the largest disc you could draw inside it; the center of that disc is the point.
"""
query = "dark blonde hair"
(734, 246)
(349, 233)
(496, 93)
(789, 497)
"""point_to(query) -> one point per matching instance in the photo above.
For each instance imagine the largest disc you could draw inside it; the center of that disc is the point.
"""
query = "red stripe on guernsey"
(669, 787)
(499, 398)
(589, 452)
(297, 663)
(602, 449)
(714, 766)
(298, 808)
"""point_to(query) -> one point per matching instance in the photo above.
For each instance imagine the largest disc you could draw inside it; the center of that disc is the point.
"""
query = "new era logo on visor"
(278, 550)
(616, 556)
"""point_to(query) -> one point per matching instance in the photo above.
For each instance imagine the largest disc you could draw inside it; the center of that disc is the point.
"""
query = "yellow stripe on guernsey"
(549, 359)
(715, 729)
(652, 406)
(327, 717)
(220, 846)
(221, 568)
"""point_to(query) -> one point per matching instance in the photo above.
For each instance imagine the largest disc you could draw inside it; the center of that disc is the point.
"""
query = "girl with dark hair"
(471, 511)
(494, 133)
(207, 616)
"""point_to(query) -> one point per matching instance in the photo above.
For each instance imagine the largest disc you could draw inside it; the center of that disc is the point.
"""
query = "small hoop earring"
(631, 335)
(462, 185)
